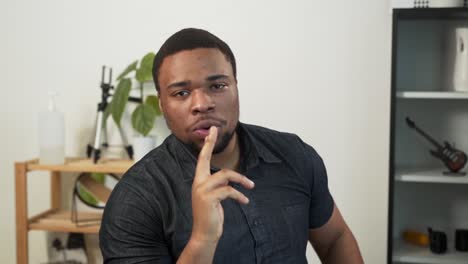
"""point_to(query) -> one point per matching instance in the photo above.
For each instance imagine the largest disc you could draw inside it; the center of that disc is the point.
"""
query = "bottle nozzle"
(52, 96)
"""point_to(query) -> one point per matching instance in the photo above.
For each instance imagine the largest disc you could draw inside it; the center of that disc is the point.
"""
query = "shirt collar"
(253, 149)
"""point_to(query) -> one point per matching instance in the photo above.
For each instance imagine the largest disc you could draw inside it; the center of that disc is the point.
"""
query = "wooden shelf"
(60, 221)
(432, 95)
(429, 176)
(55, 219)
(84, 165)
(407, 253)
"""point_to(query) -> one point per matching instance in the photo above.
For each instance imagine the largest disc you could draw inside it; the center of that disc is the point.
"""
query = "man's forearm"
(344, 250)
(198, 252)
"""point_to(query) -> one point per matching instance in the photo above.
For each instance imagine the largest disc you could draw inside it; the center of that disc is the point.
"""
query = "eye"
(218, 86)
(181, 93)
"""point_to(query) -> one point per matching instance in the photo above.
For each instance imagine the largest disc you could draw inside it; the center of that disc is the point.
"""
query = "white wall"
(320, 69)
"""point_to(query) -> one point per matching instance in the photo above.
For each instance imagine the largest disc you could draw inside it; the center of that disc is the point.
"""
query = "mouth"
(202, 128)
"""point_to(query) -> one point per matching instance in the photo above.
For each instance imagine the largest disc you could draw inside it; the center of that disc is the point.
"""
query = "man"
(217, 190)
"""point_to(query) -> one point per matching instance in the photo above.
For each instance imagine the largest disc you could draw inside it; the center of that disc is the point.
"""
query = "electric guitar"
(453, 158)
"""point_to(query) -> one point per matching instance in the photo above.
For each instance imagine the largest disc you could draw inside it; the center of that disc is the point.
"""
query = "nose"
(202, 102)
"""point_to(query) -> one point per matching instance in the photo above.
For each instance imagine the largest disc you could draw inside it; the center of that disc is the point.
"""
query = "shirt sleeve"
(131, 231)
(321, 202)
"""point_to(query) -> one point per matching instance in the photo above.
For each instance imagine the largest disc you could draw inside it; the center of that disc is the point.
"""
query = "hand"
(209, 190)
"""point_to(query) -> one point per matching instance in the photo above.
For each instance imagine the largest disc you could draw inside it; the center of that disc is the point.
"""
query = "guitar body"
(453, 159)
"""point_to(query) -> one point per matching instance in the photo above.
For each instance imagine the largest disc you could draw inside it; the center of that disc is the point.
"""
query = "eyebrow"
(216, 77)
(210, 78)
(178, 84)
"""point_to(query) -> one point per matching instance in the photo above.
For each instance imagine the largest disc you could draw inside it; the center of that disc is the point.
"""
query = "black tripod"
(100, 127)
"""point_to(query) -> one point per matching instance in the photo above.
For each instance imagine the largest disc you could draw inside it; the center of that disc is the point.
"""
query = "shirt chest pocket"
(296, 217)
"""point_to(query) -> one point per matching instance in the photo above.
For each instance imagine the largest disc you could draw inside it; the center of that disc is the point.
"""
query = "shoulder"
(288, 147)
(268, 135)
(139, 191)
(150, 166)
(278, 141)
(147, 178)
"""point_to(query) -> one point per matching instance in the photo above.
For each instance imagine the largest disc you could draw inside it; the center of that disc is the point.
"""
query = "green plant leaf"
(153, 101)
(88, 197)
(143, 119)
(129, 69)
(144, 72)
(120, 99)
(143, 75)
(98, 177)
(147, 60)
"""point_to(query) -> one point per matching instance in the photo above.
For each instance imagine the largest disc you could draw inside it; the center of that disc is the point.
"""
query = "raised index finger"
(204, 158)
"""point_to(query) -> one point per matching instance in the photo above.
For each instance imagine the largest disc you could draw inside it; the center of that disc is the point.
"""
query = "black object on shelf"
(437, 241)
(75, 241)
(461, 240)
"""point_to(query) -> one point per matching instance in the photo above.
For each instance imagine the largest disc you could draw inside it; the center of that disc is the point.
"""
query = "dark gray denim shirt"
(148, 218)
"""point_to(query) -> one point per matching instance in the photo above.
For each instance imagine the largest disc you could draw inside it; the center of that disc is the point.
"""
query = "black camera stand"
(100, 126)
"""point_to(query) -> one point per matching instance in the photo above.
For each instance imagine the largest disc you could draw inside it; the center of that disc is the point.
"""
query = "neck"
(229, 157)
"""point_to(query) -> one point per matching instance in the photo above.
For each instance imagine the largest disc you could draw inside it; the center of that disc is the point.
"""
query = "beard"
(220, 145)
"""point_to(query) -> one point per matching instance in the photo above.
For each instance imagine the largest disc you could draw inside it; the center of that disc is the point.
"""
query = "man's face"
(198, 90)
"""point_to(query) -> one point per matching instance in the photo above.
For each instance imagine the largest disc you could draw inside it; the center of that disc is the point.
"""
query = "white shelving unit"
(421, 195)
(432, 95)
(408, 253)
(429, 176)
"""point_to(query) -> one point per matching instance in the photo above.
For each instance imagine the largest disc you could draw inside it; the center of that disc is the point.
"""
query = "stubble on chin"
(221, 143)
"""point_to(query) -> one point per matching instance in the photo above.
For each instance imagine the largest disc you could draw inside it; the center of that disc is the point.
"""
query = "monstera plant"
(136, 74)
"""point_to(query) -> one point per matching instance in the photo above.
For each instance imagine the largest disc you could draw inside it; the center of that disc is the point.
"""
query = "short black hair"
(189, 39)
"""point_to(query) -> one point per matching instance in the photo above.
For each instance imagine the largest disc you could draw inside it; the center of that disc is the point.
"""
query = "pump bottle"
(51, 134)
